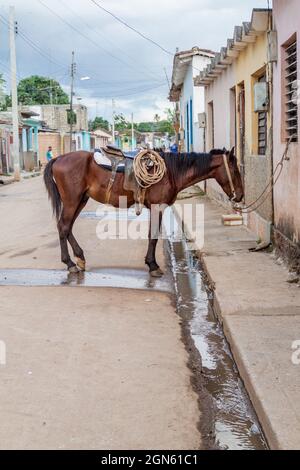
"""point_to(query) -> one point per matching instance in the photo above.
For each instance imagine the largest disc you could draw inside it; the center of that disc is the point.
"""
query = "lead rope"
(229, 175)
(273, 180)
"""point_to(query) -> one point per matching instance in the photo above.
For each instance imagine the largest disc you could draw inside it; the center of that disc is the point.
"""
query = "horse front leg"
(154, 231)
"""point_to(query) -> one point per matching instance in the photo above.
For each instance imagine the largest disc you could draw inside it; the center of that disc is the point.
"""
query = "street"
(150, 228)
(87, 367)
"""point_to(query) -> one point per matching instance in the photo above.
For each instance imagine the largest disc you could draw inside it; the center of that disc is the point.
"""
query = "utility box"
(272, 46)
(202, 120)
(261, 97)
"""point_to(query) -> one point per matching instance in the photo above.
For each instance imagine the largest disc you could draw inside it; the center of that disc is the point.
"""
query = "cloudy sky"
(120, 63)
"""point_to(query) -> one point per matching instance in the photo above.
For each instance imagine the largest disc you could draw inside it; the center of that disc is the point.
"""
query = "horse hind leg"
(64, 227)
(77, 250)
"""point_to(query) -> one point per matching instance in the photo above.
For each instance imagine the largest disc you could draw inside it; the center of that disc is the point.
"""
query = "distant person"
(49, 154)
(174, 148)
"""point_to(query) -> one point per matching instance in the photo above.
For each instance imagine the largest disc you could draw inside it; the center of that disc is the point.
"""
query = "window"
(262, 127)
(71, 117)
(211, 124)
(290, 91)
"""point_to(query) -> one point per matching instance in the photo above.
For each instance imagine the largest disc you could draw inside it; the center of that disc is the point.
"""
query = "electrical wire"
(132, 28)
(149, 72)
(30, 42)
(84, 35)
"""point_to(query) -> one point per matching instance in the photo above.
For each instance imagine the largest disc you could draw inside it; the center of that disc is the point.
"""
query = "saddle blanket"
(105, 162)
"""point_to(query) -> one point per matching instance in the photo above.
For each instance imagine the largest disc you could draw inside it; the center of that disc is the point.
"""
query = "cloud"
(119, 62)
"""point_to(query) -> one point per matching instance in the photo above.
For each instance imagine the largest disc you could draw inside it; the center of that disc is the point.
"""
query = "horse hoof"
(80, 264)
(157, 273)
(73, 269)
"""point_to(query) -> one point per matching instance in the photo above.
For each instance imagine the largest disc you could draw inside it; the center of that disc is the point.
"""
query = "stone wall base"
(287, 250)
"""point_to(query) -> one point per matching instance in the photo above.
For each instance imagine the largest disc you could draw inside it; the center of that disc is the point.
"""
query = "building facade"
(57, 117)
(29, 127)
(238, 104)
(100, 138)
(286, 76)
(189, 99)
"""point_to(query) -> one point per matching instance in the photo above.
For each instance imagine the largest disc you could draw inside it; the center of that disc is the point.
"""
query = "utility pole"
(14, 94)
(113, 122)
(73, 71)
(132, 133)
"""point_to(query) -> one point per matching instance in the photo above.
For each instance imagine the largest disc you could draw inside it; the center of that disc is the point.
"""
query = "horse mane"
(179, 163)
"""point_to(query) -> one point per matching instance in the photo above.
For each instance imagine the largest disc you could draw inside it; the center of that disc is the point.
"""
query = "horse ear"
(231, 155)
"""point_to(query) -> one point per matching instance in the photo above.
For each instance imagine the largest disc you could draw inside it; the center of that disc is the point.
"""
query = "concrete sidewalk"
(5, 179)
(260, 313)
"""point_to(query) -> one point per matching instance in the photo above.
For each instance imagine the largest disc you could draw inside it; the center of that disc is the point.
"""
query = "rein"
(252, 207)
(229, 176)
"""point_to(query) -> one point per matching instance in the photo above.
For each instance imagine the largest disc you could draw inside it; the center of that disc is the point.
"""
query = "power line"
(133, 86)
(84, 35)
(31, 43)
(132, 28)
(150, 73)
(139, 91)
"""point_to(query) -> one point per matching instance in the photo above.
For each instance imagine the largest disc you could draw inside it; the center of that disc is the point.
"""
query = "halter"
(229, 177)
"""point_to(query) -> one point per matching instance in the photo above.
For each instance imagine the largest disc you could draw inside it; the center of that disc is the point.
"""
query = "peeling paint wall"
(287, 191)
(224, 92)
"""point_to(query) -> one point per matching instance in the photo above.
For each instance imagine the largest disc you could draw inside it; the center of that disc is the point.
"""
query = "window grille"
(291, 95)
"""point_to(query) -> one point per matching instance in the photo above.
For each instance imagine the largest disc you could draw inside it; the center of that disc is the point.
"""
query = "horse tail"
(52, 189)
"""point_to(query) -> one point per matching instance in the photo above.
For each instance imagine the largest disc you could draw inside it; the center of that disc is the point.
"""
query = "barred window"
(262, 127)
(291, 83)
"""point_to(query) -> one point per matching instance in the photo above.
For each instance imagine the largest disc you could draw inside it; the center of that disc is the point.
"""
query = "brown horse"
(73, 178)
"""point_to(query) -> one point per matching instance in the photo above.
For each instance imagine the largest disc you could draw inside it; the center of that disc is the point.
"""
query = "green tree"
(37, 90)
(4, 99)
(98, 122)
(146, 126)
(170, 114)
(121, 123)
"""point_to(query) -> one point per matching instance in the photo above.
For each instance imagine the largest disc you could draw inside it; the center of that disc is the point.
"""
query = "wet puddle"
(236, 424)
(113, 277)
(119, 214)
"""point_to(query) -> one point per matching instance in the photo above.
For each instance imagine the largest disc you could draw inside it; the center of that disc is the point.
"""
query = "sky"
(121, 64)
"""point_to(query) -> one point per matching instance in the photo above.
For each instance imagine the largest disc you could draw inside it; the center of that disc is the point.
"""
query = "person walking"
(49, 154)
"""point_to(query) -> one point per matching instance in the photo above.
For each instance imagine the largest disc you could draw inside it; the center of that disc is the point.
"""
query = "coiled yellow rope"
(149, 168)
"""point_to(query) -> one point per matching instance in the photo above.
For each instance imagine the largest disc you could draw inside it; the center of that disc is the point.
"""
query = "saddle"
(113, 159)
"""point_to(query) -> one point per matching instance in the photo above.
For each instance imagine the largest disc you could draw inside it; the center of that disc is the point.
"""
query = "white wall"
(189, 91)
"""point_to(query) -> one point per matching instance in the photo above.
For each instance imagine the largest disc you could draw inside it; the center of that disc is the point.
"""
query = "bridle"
(229, 178)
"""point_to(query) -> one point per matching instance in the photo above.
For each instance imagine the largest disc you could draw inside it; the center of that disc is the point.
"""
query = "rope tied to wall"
(149, 168)
(252, 207)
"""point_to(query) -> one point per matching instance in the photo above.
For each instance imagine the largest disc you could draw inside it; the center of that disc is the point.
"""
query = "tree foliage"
(121, 123)
(165, 125)
(4, 99)
(98, 123)
(37, 90)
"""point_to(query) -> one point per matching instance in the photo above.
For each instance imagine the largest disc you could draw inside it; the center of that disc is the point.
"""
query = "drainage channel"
(236, 426)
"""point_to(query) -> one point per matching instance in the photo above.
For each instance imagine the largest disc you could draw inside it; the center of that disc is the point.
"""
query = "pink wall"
(286, 15)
